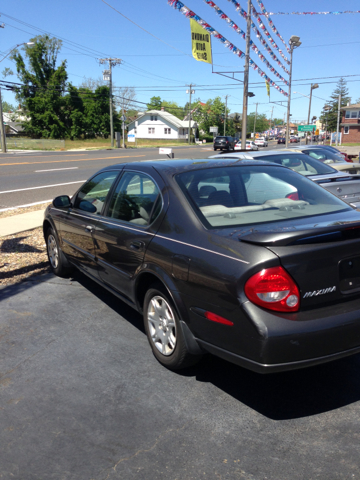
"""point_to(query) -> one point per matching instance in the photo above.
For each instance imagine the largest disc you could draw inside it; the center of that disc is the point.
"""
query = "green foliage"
(54, 107)
(262, 123)
(7, 72)
(155, 103)
(211, 114)
(7, 107)
(329, 113)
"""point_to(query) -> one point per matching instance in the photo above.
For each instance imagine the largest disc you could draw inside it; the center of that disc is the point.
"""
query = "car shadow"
(278, 396)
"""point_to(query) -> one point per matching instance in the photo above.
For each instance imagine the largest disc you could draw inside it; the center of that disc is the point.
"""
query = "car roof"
(253, 154)
(184, 165)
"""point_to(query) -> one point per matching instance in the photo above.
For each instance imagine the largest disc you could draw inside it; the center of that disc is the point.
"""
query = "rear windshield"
(299, 162)
(325, 155)
(247, 195)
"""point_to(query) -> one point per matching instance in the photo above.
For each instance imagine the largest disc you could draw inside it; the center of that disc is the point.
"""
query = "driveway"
(82, 397)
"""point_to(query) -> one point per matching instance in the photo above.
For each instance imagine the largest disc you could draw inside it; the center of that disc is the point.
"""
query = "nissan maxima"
(249, 260)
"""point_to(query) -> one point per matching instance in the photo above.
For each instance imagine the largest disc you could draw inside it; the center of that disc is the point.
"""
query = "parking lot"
(82, 397)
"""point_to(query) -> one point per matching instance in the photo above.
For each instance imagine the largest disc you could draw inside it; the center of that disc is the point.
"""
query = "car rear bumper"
(274, 367)
(266, 341)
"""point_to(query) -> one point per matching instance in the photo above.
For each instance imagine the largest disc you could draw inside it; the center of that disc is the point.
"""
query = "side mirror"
(62, 202)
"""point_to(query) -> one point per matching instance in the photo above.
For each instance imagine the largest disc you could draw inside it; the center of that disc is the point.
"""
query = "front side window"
(136, 199)
(247, 195)
(92, 195)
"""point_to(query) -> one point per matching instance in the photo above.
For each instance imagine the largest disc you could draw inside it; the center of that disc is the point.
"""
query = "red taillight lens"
(293, 196)
(274, 289)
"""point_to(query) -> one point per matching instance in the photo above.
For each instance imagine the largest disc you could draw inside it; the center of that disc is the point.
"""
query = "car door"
(122, 236)
(78, 223)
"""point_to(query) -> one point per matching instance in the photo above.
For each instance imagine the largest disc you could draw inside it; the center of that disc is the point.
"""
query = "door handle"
(137, 245)
(89, 228)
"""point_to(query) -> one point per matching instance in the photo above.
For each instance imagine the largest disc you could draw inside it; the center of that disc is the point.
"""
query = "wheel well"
(46, 225)
(145, 282)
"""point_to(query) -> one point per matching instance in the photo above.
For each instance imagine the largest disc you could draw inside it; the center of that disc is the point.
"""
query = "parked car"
(294, 139)
(249, 145)
(261, 142)
(346, 187)
(335, 160)
(247, 260)
(281, 140)
(224, 143)
(331, 149)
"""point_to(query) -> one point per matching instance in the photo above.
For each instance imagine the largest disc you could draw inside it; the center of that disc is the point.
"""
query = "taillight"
(274, 289)
(293, 196)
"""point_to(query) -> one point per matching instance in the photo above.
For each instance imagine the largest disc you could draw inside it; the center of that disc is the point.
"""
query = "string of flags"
(262, 26)
(271, 23)
(310, 13)
(243, 13)
(190, 14)
(252, 44)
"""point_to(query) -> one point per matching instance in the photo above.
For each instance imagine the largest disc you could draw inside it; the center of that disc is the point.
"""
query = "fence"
(34, 144)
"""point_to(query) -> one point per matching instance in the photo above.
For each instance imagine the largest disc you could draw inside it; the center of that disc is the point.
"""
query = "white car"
(261, 142)
(249, 145)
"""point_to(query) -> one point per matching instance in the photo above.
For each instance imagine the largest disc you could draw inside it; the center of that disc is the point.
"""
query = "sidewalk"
(21, 223)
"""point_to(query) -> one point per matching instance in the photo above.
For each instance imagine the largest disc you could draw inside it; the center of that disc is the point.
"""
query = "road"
(39, 177)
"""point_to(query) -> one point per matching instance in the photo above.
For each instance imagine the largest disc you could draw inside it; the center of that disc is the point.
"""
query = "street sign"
(123, 118)
(306, 128)
(214, 130)
(131, 137)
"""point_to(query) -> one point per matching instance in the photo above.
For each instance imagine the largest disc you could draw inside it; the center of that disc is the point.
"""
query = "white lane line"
(56, 169)
(24, 206)
(44, 186)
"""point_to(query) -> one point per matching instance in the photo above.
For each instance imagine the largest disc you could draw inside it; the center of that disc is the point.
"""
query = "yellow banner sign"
(201, 42)
(267, 88)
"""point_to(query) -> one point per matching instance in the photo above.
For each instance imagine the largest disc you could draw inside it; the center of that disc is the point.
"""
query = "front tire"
(164, 331)
(58, 262)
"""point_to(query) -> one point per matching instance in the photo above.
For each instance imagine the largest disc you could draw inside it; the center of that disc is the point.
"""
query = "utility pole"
(190, 92)
(338, 121)
(246, 78)
(108, 76)
(272, 109)
(255, 120)
(294, 42)
(226, 97)
(2, 133)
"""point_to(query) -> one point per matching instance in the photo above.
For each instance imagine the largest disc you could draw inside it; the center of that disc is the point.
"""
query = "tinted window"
(95, 192)
(136, 199)
(324, 156)
(299, 163)
(247, 195)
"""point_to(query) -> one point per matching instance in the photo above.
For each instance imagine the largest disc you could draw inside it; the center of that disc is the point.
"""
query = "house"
(159, 124)
(350, 123)
(12, 122)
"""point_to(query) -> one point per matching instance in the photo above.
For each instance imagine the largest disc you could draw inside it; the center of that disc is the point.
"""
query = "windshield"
(299, 162)
(247, 195)
(324, 155)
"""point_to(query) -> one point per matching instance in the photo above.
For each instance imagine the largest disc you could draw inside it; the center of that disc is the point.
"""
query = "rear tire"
(164, 332)
(58, 262)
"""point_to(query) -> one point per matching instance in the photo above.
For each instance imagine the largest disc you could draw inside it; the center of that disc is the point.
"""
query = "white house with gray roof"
(159, 124)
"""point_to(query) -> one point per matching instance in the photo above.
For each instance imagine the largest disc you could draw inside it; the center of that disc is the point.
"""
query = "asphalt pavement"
(82, 397)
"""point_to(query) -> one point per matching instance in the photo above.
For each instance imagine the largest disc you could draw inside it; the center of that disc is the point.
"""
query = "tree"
(211, 114)
(262, 123)
(332, 112)
(42, 96)
(155, 103)
(92, 84)
(7, 107)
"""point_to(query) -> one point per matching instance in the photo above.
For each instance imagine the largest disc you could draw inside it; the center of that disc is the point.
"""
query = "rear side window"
(244, 195)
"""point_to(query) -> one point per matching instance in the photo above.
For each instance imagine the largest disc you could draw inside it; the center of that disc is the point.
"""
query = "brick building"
(350, 124)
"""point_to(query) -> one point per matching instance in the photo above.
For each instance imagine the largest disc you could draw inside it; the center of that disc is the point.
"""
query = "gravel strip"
(18, 211)
(22, 256)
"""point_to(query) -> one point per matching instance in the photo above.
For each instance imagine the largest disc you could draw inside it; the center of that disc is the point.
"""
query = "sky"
(154, 43)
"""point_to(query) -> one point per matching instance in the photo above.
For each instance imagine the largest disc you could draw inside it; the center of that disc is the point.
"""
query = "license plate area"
(349, 273)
